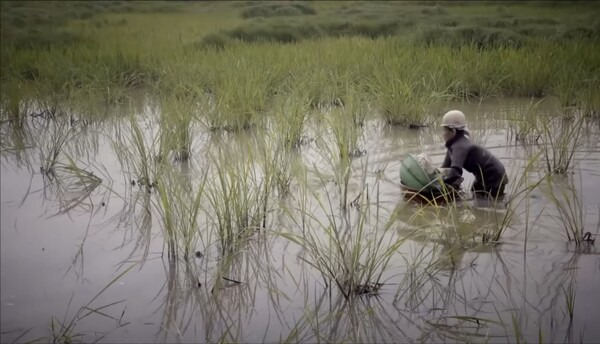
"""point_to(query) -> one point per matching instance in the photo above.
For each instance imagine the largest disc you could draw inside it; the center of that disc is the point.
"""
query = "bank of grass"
(276, 9)
(39, 24)
(483, 24)
(389, 65)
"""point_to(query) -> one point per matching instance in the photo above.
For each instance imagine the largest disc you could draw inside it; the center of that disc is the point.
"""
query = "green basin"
(413, 175)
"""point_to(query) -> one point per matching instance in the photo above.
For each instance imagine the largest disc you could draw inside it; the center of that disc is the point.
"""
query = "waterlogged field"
(229, 172)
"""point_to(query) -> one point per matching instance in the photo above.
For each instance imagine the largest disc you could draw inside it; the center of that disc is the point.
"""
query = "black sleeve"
(457, 162)
(446, 162)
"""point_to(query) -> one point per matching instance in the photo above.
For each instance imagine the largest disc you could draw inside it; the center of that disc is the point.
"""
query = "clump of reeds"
(61, 132)
(559, 138)
(139, 150)
(15, 104)
(342, 150)
(402, 99)
(179, 206)
(523, 124)
(290, 114)
(240, 96)
(353, 247)
(237, 196)
(564, 195)
(278, 162)
(177, 117)
(588, 99)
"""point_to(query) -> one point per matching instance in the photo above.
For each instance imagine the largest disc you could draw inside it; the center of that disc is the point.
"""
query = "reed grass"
(564, 195)
(177, 125)
(559, 138)
(290, 116)
(236, 195)
(345, 136)
(351, 249)
(402, 100)
(60, 133)
(242, 78)
(15, 104)
(16, 133)
(179, 206)
(523, 124)
(278, 161)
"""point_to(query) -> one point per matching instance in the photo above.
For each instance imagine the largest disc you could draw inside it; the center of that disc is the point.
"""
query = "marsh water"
(63, 242)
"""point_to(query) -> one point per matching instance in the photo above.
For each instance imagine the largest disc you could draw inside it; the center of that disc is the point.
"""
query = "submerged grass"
(71, 186)
(65, 331)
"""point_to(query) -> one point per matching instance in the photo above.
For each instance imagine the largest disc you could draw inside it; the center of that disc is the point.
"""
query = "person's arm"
(457, 162)
(442, 171)
(447, 160)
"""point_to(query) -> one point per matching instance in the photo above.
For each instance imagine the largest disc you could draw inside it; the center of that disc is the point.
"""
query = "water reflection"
(442, 284)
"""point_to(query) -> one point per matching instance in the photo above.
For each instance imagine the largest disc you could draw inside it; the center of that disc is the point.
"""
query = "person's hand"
(441, 171)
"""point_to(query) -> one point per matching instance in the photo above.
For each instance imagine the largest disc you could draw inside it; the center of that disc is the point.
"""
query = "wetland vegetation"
(228, 171)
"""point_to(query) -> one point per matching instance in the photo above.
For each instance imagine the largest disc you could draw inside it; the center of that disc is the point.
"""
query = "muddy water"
(62, 244)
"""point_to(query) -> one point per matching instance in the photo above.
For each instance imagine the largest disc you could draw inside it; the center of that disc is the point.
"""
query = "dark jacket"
(490, 175)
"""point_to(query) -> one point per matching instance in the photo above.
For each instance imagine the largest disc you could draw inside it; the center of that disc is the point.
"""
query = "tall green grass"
(564, 195)
(290, 116)
(179, 206)
(139, 148)
(60, 133)
(559, 139)
(523, 123)
(177, 125)
(402, 100)
(241, 80)
(237, 194)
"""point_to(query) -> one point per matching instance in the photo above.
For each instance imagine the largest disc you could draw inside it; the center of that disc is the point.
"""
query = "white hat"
(454, 119)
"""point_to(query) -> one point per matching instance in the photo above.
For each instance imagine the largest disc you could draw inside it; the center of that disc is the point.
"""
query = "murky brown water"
(61, 245)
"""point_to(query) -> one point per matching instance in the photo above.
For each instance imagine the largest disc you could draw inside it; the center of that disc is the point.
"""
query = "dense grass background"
(400, 56)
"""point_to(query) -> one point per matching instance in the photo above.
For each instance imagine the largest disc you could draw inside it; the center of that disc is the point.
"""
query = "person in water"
(490, 175)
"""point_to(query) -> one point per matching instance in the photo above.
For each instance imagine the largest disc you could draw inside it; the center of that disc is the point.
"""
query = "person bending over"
(490, 175)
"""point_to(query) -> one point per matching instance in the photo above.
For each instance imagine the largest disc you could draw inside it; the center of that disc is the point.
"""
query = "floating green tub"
(413, 175)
